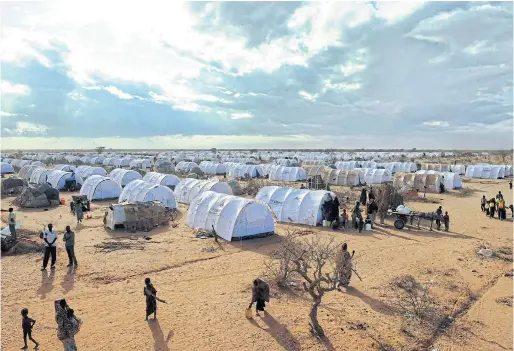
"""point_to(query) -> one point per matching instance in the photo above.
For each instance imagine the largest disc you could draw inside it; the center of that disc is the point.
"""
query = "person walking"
(79, 212)
(446, 220)
(27, 324)
(483, 201)
(69, 244)
(12, 223)
(510, 184)
(438, 217)
(68, 325)
(260, 295)
(151, 299)
(492, 207)
(50, 238)
(344, 218)
(372, 211)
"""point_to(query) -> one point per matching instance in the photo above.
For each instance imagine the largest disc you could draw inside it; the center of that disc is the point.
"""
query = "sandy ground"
(208, 286)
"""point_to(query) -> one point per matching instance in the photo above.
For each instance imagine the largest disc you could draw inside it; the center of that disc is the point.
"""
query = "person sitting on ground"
(260, 295)
(446, 220)
(27, 324)
(303, 187)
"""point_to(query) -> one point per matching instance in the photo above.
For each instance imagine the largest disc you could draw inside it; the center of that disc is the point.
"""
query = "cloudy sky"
(160, 74)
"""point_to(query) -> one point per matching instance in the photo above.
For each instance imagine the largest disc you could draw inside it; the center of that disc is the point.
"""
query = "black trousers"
(70, 250)
(49, 251)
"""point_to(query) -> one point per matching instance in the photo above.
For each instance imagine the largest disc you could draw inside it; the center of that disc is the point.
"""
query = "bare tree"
(313, 260)
(100, 149)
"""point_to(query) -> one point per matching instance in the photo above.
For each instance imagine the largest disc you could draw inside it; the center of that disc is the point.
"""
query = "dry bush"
(425, 200)
(253, 186)
(312, 261)
(464, 192)
(505, 301)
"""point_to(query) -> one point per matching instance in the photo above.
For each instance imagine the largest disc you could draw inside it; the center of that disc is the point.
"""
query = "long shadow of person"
(69, 280)
(46, 283)
(280, 333)
(376, 305)
(160, 344)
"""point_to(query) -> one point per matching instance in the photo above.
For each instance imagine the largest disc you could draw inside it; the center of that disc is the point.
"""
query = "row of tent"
(429, 181)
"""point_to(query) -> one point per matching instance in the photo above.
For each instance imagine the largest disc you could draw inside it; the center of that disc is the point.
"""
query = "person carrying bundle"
(260, 295)
(344, 266)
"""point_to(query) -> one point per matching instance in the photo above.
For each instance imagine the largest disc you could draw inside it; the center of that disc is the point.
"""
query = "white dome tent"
(185, 167)
(124, 176)
(212, 168)
(7, 168)
(141, 163)
(242, 171)
(121, 162)
(287, 174)
(343, 177)
(168, 180)
(139, 190)
(98, 187)
(58, 178)
(290, 205)
(87, 171)
(231, 217)
(65, 168)
(376, 176)
(459, 169)
(451, 180)
(187, 189)
(409, 167)
(40, 175)
(26, 171)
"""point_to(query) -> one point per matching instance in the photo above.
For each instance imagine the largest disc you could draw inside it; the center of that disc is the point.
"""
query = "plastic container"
(63, 202)
(368, 227)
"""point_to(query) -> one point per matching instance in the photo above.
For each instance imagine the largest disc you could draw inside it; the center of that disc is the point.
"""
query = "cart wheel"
(399, 224)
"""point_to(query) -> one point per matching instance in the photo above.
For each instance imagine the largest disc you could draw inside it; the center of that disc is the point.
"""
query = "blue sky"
(252, 74)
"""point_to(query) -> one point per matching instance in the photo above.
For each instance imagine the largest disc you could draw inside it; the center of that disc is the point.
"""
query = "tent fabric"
(26, 171)
(187, 189)
(168, 180)
(141, 163)
(212, 168)
(459, 169)
(142, 191)
(242, 171)
(66, 168)
(347, 165)
(230, 216)
(450, 180)
(6, 168)
(436, 167)
(288, 174)
(97, 187)
(316, 170)
(291, 205)
(124, 176)
(40, 175)
(485, 171)
(121, 162)
(87, 171)
(421, 180)
(37, 163)
(164, 166)
(58, 179)
(376, 175)
(267, 168)
(185, 167)
(343, 177)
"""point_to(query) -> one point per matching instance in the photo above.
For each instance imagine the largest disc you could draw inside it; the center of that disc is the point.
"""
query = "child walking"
(27, 324)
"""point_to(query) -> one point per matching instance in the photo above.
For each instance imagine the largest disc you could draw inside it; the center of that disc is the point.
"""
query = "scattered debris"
(509, 273)
(358, 326)
(110, 246)
(210, 249)
(486, 253)
(507, 301)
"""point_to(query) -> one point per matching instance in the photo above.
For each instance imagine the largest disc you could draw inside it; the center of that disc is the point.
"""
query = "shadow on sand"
(278, 331)
(69, 280)
(376, 305)
(160, 344)
(46, 283)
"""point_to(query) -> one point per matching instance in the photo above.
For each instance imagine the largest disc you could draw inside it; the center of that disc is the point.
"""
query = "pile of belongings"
(404, 209)
(13, 186)
(35, 196)
(137, 216)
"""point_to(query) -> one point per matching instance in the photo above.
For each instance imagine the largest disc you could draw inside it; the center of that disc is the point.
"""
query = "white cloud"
(307, 96)
(394, 11)
(6, 114)
(7, 87)
(30, 128)
(442, 124)
(75, 95)
(241, 115)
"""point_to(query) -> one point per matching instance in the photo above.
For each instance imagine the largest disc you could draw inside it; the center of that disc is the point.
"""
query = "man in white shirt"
(12, 223)
(50, 238)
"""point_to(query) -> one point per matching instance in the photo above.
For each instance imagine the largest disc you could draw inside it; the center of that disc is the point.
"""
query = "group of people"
(444, 218)
(495, 205)
(68, 325)
(50, 236)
